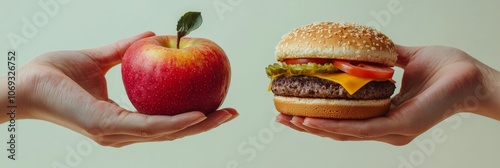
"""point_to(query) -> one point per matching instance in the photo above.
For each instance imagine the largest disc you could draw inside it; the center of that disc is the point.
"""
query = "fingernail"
(307, 123)
(295, 122)
(226, 117)
(297, 119)
(233, 112)
(200, 119)
(282, 117)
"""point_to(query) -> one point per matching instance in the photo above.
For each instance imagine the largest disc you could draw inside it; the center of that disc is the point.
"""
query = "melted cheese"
(349, 82)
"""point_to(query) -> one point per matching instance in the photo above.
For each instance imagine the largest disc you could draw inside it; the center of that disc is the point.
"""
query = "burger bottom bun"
(332, 108)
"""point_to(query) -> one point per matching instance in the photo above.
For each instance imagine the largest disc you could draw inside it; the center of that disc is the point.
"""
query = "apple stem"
(178, 41)
(188, 22)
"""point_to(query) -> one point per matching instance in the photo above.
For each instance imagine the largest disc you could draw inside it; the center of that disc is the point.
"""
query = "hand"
(435, 84)
(69, 88)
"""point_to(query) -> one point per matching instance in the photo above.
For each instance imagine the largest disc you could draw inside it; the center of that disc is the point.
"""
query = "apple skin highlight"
(162, 80)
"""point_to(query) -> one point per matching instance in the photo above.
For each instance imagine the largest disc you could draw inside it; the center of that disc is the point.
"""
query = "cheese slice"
(349, 82)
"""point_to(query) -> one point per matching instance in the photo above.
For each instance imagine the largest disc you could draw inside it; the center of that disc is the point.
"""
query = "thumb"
(405, 55)
(111, 54)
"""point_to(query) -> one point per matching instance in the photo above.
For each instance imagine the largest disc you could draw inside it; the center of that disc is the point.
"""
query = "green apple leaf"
(188, 22)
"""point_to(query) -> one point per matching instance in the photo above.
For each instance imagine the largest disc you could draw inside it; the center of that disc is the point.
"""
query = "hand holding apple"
(69, 88)
(168, 75)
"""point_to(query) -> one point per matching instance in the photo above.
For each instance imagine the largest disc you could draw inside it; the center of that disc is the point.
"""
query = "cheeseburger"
(333, 70)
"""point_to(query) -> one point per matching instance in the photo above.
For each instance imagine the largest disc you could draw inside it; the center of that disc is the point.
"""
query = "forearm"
(12, 98)
(5, 105)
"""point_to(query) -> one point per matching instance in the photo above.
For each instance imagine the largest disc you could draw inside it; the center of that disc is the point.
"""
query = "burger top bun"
(337, 40)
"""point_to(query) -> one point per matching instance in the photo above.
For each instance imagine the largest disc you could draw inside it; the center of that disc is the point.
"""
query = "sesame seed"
(322, 33)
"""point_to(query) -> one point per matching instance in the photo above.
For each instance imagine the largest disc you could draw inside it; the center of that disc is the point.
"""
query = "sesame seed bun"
(333, 40)
(332, 108)
(337, 40)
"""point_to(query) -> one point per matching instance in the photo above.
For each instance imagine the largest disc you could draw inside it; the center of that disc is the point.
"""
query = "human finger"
(393, 139)
(411, 118)
(119, 140)
(133, 123)
(213, 120)
(109, 55)
(298, 122)
(285, 120)
(369, 128)
(405, 55)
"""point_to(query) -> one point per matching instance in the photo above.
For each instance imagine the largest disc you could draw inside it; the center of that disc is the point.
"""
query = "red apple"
(161, 79)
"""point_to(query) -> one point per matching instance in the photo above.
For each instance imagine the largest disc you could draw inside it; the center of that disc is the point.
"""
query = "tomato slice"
(307, 60)
(364, 69)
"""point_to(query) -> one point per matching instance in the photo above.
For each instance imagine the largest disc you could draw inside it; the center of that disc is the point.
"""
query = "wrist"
(4, 99)
(494, 99)
(13, 97)
(487, 93)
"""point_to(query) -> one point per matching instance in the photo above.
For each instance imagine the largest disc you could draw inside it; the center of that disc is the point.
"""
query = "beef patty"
(314, 87)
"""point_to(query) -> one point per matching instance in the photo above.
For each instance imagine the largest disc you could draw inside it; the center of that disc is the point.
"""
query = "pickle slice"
(299, 69)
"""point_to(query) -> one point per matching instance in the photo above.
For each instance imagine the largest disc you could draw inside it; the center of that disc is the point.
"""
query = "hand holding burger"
(437, 83)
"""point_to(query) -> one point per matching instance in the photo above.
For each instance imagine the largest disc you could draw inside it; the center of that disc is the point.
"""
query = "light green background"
(248, 30)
